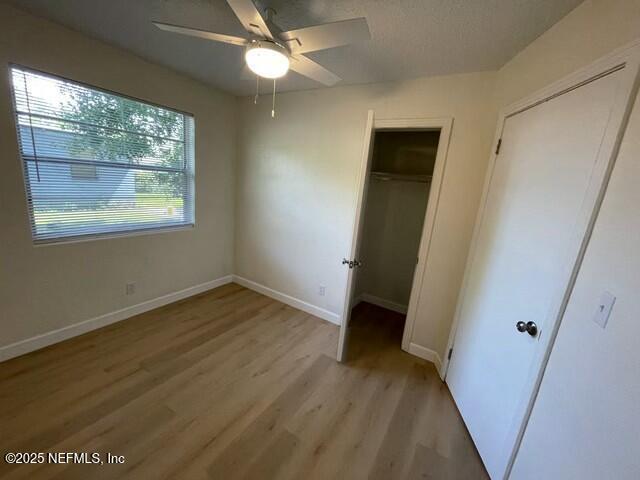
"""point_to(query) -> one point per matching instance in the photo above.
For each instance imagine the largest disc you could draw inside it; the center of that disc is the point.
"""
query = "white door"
(535, 203)
(361, 197)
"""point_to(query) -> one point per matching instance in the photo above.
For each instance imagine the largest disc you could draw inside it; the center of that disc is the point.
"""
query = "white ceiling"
(410, 38)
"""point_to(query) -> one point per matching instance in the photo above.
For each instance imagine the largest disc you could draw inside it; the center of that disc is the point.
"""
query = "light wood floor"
(231, 384)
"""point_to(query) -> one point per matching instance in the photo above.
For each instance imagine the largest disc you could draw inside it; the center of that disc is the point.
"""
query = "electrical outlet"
(322, 290)
(130, 288)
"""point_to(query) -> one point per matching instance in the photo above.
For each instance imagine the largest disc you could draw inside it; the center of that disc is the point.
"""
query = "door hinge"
(449, 354)
(351, 263)
(499, 144)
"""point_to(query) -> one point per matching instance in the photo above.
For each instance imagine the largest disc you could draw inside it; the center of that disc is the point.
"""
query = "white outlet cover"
(605, 305)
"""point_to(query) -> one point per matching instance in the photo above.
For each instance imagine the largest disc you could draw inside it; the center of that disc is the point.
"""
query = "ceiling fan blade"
(192, 32)
(250, 17)
(327, 35)
(307, 67)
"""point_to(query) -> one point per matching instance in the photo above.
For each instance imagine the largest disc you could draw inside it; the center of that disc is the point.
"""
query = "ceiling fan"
(270, 52)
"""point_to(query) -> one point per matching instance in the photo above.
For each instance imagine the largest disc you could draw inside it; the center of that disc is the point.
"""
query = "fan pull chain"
(273, 104)
(255, 99)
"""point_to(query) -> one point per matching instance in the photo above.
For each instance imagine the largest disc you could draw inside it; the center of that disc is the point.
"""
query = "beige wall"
(587, 417)
(297, 185)
(46, 288)
(592, 30)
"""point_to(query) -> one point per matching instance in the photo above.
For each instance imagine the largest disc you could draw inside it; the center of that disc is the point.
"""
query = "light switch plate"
(605, 305)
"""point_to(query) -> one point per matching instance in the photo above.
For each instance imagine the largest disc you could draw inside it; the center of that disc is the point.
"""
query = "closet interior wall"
(398, 191)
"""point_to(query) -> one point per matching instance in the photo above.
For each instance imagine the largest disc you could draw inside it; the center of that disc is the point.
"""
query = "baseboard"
(381, 302)
(44, 340)
(289, 300)
(428, 355)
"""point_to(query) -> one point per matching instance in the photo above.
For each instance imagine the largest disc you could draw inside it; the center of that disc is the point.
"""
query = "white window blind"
(97, 163)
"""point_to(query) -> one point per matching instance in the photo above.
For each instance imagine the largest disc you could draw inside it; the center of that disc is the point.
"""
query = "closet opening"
(394, 207)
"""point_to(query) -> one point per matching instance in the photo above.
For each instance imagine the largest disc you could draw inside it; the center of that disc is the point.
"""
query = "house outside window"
(97, 163)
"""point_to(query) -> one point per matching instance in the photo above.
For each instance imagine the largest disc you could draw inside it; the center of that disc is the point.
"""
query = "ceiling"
(410, 38)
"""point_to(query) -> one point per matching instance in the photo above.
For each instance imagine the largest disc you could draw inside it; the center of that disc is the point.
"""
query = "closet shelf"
(397, 177)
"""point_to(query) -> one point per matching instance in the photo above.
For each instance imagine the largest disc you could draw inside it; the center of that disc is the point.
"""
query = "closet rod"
(383, 176)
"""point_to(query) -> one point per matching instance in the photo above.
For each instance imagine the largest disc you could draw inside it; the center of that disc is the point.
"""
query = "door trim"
(444, 124)
(627, 59)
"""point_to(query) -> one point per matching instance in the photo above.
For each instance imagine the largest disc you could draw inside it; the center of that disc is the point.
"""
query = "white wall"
(296, 187)
(586, 420)
(46, 288)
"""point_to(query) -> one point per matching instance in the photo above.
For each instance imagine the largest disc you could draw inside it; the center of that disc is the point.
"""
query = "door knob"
(530, 327)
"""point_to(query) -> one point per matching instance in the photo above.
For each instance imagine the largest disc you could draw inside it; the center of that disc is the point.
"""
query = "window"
(97, 163)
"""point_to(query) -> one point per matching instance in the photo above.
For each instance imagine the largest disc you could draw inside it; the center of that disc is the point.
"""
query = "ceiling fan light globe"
(267, 60)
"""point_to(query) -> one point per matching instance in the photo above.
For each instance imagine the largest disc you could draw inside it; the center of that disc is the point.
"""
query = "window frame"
(133, 232)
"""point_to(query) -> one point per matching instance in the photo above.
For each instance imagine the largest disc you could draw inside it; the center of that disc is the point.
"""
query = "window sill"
(110, 236)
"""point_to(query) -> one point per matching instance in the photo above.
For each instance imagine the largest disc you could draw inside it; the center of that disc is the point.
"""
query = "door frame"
(444, 124)
(374, 124)
(626, 58)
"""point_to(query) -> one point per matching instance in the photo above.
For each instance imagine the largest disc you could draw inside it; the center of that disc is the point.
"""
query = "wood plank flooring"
(230, 384)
